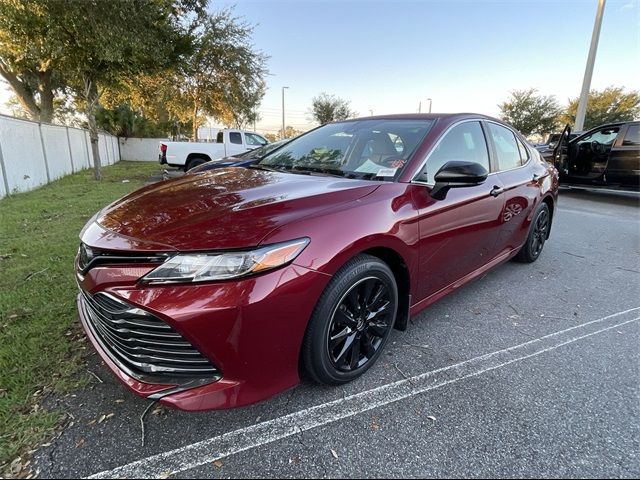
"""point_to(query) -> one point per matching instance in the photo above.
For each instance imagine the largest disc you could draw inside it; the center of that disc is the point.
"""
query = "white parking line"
(215, 448)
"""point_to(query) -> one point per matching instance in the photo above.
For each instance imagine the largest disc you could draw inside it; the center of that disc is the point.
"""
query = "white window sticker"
(387, 172)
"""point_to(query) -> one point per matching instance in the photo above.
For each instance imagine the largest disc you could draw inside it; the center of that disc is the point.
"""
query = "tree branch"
(25, 97)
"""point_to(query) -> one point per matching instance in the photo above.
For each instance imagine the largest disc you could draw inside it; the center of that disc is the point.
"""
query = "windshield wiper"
(323, 171)
(266, 168)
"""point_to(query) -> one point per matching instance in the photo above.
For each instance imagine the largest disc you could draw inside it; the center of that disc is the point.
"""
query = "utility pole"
(282, 136)
(371, 112)
(420, 107)
(429, 104)
(588, 73)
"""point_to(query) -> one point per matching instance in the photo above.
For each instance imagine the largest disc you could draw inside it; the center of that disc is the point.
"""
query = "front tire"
(351, 323)
(538, 234)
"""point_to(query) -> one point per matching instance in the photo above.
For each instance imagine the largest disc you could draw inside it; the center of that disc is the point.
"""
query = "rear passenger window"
(464, 142)
(235, 137)
(632, 137)
(506, 147)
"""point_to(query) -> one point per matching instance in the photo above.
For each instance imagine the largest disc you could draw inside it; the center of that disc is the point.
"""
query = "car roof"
(427, 116)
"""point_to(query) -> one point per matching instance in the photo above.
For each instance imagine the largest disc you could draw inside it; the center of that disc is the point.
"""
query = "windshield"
(370, 149)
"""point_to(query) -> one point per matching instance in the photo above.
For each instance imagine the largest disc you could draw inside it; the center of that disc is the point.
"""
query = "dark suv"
(608, 155)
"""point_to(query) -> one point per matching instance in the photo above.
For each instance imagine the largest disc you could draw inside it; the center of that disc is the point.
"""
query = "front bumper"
(250, 329)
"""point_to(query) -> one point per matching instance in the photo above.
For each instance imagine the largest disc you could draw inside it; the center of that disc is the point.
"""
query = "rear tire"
(538, 234)
(351, 322)
(194, 162)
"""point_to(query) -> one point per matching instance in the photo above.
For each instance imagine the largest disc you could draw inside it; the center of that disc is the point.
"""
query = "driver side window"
(606, 136)
(464, 142)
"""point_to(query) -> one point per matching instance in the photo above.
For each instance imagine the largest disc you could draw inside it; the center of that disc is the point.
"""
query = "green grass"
(40, 341)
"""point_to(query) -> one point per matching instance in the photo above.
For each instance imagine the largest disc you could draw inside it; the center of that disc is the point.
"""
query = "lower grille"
(143, 345)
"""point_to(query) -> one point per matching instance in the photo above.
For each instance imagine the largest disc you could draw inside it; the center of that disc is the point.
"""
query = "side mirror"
(457, 174)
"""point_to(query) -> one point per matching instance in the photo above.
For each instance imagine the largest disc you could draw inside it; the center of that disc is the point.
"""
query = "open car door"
(561, 152)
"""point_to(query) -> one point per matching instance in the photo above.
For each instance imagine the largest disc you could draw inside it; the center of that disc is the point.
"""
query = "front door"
(457, 234)
(588, 155)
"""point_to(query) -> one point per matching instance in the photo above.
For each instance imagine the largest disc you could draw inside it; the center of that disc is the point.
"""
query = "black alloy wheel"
(351, 322)
(538, 234)
(359, 324)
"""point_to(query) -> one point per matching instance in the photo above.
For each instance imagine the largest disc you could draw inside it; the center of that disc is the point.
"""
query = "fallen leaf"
(218, 463)
(102, 418)
(295, 460)
(432, 418)
(335, 455)
(120, 400)
(109, 416)
(80, 443)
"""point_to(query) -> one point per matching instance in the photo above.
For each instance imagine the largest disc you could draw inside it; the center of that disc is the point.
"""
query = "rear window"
(235, 137)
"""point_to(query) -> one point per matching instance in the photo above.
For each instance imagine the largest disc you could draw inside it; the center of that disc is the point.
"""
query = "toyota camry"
(223, 288)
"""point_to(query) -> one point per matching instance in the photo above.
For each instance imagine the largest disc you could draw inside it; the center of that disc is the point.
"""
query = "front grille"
(143, 345)
(89, 257)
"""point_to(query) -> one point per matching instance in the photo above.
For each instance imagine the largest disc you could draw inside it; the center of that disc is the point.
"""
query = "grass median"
(39, 349)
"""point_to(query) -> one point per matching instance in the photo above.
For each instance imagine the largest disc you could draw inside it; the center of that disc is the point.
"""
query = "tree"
(328, 108)
(224, 76)
(291, 132)
(85, 46)
(530, 113)
(28, 56)
(105, 41)
(610, 105)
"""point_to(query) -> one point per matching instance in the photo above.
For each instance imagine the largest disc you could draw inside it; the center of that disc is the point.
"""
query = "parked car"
(223, 292)
(608, 155)
(240, 160)
(187, 155)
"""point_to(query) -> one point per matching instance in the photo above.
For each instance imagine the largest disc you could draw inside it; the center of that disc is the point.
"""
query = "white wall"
(33, 154)
(145, 149)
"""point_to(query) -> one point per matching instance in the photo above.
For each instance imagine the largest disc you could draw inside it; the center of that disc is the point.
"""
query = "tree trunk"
(194, 125)
(46, 97)
(91, 97)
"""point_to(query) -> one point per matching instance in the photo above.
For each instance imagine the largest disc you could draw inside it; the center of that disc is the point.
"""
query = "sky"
(387, 56)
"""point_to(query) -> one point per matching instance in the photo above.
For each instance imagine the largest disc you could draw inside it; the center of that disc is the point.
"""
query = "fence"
(33, 154)
(141, 149)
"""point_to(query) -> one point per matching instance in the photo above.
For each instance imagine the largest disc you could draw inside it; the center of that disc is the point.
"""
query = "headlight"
(204, 267)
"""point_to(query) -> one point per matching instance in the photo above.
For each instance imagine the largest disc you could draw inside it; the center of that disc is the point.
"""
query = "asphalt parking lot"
(533, 370)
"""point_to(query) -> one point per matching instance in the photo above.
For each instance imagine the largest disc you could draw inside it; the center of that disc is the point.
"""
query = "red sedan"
(221, 289)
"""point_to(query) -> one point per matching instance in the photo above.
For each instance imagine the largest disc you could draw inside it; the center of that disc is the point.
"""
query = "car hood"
(227, 208)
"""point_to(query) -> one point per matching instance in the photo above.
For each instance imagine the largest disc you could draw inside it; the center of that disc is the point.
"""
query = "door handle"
(495, 191)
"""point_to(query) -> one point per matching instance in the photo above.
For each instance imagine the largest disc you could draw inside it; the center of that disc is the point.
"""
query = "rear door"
(520, 175)
(624, 159)
(235, 143)
(457, 234)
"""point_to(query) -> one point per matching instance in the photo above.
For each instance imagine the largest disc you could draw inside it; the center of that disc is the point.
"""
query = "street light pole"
(429, 104)
(371, 112)
(588, 73)
(282, 136)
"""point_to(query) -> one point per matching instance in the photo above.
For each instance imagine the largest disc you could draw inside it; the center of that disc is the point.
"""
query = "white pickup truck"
(228, 142)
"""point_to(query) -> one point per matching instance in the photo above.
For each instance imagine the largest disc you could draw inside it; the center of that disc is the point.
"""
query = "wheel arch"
(193, 156)
(400, 270)
(548, 199)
